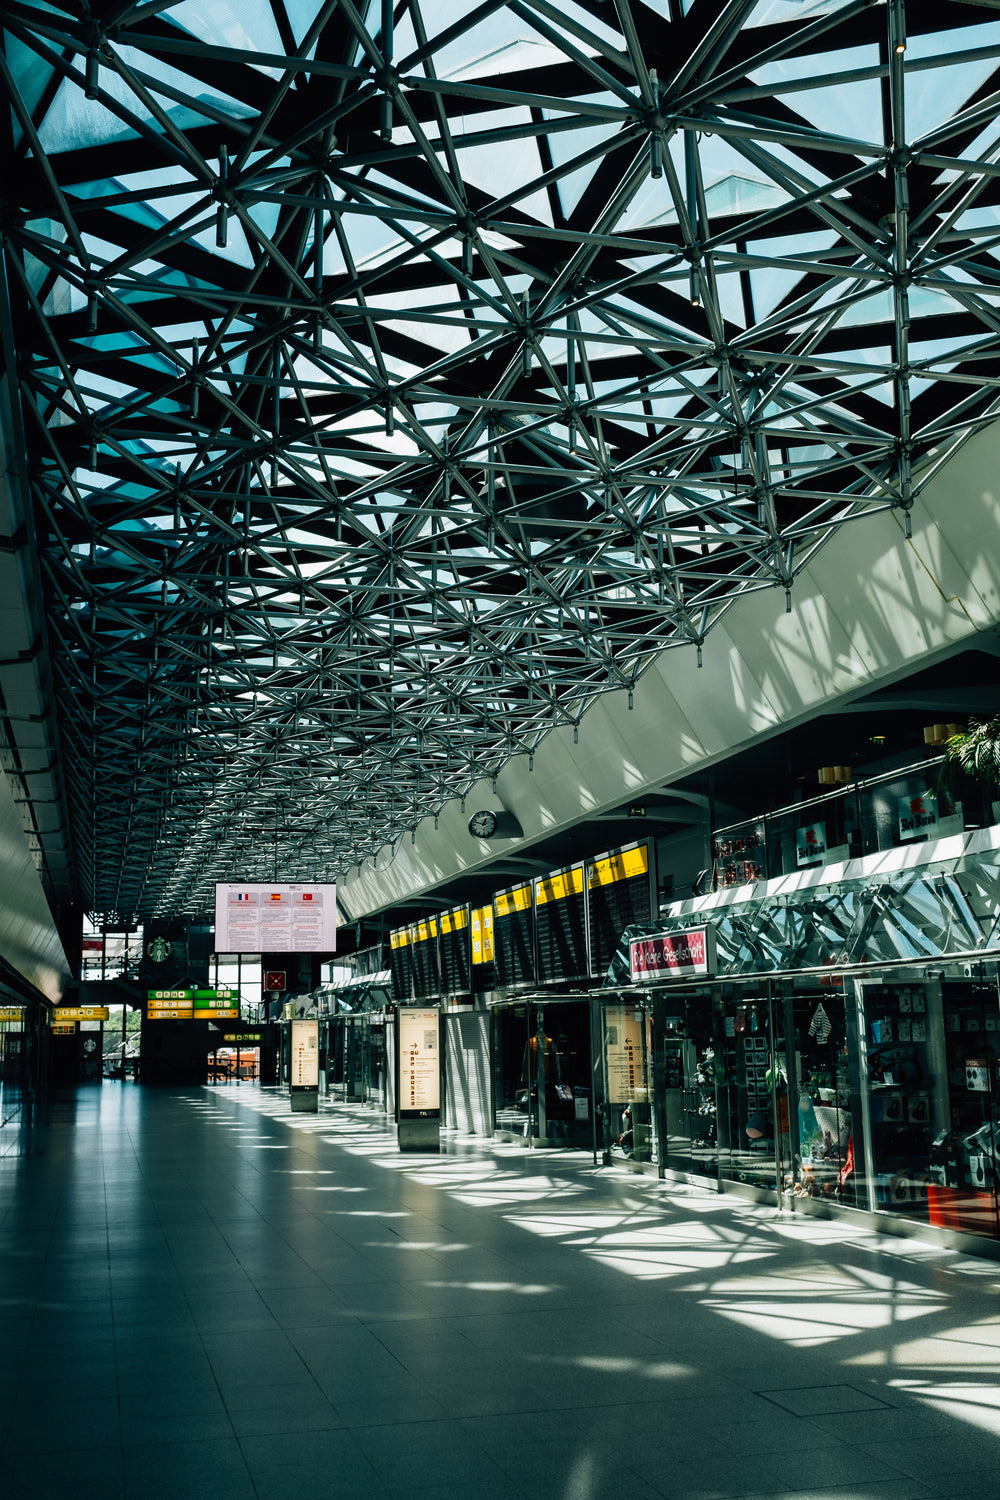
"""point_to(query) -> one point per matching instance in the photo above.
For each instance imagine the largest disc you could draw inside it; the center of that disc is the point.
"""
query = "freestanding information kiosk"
(305, 1066)
(418, 1071)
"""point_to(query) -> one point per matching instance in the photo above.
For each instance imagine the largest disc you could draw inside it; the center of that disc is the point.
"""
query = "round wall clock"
(483, 825)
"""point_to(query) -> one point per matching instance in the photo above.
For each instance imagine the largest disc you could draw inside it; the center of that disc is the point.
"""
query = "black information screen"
(561, 925)
(619, 892)
(455, 949)
(401, 965)
(426, 976)
(513, 937)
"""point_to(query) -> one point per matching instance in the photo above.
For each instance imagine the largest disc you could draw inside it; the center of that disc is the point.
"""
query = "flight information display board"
(483, 969)
(561, 925)
(426, 970)
(514, 937)
(455, 952)
(620, 891)
(401, 964)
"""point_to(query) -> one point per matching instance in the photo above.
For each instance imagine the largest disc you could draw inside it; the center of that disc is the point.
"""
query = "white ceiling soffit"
(871, 607)
(28, 940)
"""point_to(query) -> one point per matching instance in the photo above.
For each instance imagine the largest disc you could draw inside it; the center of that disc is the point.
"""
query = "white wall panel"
(871, 607)
(468, 1089)
(29, 942)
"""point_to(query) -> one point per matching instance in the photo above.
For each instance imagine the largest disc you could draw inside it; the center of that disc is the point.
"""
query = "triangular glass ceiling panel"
(338, 443)
(244, 25)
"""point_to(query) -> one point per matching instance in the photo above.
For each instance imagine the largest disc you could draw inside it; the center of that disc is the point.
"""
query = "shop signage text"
(672, 955)
(918, 816)
(810, 844)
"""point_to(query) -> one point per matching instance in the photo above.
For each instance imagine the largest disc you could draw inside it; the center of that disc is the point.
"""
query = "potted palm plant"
(975, 753)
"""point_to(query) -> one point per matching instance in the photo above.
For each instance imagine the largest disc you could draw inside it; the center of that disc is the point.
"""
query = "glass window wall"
(628, 1080)
(930, 1050)
(859, 817)
(753, 1122)
(543, 1071)
(826, 1117)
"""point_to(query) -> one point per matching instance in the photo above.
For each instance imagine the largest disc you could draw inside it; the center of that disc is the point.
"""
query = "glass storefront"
(14, 1073)
(932, 1058)
(543, 1071)
(628, 1081)
(878, 1093)
(753, 1124)
(826, 1117)
(355, 1058)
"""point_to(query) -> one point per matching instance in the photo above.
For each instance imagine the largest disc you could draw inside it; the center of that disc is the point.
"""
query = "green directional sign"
(201, 997)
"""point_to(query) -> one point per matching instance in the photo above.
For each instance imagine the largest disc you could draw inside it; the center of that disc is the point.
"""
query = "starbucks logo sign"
(158, 950)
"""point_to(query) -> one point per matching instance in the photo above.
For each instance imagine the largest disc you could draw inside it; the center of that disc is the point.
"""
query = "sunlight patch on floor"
(821, 1322)
(941, 1352)
(520, 1289)
(651, 1264)
(968, 1402)
(611, 1364)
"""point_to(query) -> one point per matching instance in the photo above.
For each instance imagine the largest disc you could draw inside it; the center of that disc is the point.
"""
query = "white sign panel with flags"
(276, 918)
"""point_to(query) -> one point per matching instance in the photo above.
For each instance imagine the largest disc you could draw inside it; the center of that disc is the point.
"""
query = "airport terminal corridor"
(205, 1295)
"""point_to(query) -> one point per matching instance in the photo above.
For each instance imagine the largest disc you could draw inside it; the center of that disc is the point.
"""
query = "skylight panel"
(780, 12)
(33, 76)
(245, 25)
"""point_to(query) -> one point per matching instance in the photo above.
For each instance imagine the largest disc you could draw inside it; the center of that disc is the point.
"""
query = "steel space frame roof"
(396, 379)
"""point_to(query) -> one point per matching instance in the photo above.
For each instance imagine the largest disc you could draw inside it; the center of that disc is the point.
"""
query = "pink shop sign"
(672, 955)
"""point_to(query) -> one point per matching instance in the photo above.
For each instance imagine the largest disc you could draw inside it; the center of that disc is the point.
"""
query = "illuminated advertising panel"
(305, 1054)
(419, 1060)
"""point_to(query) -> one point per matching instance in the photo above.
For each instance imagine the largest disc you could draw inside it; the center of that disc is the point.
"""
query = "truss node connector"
(92, 67)
(387, 82)
(906, 506)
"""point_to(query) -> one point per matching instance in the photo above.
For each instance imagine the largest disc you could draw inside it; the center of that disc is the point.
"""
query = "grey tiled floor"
(204, 1295)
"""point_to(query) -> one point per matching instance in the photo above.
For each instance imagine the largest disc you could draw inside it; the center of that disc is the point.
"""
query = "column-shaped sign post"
(305, 1066)
(418, 1069)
